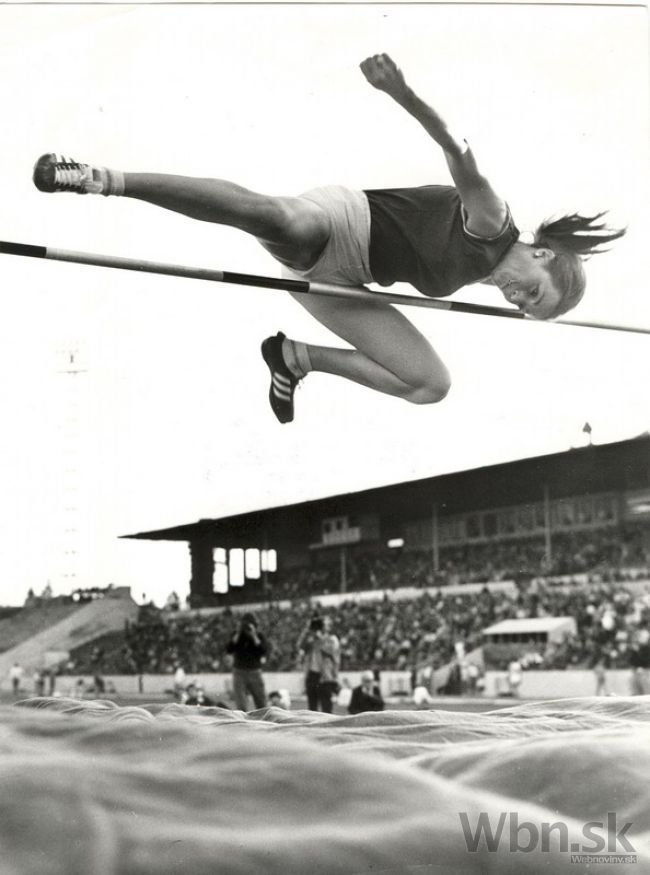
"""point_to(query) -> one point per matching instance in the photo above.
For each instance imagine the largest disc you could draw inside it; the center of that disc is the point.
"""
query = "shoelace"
(69, 174)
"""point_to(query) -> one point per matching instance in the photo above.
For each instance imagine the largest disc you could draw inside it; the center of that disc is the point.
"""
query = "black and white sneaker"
(283, 382)
(56, 173)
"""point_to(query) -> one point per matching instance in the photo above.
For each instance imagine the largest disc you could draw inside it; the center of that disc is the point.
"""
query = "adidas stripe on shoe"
(283, 383)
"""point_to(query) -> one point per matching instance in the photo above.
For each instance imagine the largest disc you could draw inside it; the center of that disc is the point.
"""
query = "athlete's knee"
(432, 391)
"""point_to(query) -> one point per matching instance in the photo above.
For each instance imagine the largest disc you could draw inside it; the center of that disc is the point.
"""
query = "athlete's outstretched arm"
(486, 211)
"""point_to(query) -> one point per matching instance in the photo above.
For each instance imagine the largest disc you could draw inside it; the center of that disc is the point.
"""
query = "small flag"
(586, 428)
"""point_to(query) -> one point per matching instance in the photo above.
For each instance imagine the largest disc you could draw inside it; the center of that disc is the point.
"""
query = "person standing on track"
(438, 238)
(249, 647)
(320, 650)
(16, 673)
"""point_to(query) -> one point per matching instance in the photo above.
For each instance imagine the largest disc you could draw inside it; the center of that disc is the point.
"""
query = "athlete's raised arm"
(486, 211)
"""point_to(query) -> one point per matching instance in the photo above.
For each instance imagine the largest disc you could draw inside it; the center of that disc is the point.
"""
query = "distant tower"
(67, 575)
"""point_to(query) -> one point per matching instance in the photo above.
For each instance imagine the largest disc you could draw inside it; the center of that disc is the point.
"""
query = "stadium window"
(333, 525)
(269, 561)
(252, 563)
(220, 577)
(236, 567)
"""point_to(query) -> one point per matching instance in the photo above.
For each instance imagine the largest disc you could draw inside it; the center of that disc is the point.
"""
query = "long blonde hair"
(573, 238)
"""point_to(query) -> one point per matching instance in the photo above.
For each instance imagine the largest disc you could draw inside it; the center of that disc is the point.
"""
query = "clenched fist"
(383, 73)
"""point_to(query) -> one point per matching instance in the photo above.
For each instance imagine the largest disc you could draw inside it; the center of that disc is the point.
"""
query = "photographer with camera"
(322, 654)
(248, 646)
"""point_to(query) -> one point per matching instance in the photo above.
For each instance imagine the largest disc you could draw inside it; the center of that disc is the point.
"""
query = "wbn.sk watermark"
(602, 842)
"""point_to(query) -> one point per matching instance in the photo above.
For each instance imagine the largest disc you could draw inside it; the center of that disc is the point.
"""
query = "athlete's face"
(525, 281)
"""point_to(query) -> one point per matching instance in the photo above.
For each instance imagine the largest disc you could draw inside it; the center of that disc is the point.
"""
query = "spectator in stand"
(248, 646)
(367, 696)
(15, 676)
(612, 622)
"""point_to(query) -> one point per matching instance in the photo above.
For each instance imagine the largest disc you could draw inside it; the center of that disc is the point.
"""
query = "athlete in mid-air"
(438, 238)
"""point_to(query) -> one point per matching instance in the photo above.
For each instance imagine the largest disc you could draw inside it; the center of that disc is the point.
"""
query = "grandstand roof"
(592, 469)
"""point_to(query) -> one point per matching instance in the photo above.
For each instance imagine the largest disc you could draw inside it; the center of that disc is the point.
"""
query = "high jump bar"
(353, 293)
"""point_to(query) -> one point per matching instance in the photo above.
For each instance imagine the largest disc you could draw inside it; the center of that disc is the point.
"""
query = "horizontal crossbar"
(356, 293)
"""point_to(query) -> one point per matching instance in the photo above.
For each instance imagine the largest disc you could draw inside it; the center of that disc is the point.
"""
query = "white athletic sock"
(302, 356)
(112, 181)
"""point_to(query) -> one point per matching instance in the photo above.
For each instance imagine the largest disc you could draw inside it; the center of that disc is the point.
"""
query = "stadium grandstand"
(407, 573)
(586, 511)
(40, 636)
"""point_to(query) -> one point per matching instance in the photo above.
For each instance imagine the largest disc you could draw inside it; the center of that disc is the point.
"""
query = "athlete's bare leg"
(389, 354)
(292, 229)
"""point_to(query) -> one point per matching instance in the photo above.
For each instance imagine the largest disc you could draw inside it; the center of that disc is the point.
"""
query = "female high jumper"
(438, 238)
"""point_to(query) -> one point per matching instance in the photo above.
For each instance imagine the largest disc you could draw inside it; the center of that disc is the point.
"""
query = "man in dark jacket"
(366, 697)
(248, 646)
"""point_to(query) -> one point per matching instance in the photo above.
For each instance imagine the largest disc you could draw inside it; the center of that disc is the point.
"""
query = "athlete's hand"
(384, 74)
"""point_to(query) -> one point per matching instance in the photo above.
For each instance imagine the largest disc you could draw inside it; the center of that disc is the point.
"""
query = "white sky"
(170, 421)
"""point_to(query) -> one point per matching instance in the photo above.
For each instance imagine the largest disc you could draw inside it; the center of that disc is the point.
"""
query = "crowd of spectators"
(612, 627)
(584, 579)
(602, 553)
